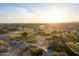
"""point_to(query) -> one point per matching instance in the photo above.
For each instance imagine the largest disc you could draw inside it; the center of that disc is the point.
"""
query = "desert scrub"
(3, 47)
(36, 51)
(74, 47)
(57, 54)
(28, 38)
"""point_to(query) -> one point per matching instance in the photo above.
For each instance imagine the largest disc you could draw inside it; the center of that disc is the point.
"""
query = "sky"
(39, 12)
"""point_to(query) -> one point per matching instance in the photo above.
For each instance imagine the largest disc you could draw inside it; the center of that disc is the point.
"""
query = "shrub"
(57, 54)
(3, 47)
(36, 51)
(24, 34)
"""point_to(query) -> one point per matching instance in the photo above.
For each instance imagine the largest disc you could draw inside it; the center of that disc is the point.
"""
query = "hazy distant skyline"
(38, 12)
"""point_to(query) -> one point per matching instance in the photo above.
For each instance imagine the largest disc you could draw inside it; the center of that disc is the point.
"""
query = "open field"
(39, 39)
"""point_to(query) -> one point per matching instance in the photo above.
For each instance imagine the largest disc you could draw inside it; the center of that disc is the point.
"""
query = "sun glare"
(55, 20)
(54, 15)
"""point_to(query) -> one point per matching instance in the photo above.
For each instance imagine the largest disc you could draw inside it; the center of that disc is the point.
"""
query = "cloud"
(34, 13)
(19, 14)
(15, 12)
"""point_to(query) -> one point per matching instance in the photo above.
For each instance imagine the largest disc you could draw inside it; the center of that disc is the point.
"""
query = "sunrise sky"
(39, 13)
